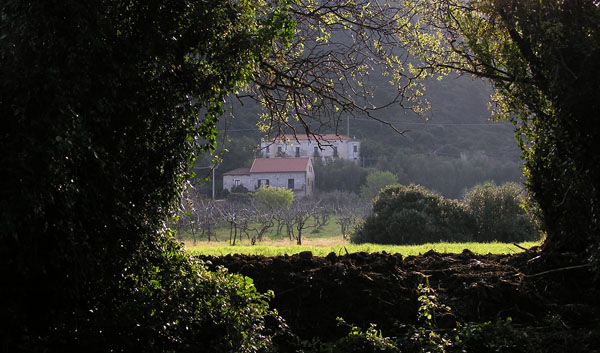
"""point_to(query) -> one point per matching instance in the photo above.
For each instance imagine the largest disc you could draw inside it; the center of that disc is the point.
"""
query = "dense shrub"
(340, 175)
(428, 337)
(414, 215)
(170, 302)
(499, 213)
(375, 182)
(272, 199)
(239, 189)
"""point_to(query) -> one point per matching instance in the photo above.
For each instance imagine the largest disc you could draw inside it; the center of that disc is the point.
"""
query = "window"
(291, 184)
(297, 151)
(335, 152)
(262, 182)
(236, 183)
(267, 149)
(355, 148)
(316, 151)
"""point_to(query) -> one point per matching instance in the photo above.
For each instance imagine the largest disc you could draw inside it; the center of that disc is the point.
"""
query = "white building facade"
(296, 174)
(330, 147)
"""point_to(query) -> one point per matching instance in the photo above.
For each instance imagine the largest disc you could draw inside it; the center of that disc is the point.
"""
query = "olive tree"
(271, 198)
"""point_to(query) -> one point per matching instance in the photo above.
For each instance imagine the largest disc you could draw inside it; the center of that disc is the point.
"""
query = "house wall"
(229, 181)
(304, 182)
(345, 149)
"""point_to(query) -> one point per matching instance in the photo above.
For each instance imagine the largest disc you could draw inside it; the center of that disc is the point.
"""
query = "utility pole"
(348, 126)
(213, 182)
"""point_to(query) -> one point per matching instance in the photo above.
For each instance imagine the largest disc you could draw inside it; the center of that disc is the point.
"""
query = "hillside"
(452, 148)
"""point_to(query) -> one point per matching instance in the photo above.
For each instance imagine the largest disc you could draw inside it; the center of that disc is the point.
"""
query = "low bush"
(500, 214)
(414, 215)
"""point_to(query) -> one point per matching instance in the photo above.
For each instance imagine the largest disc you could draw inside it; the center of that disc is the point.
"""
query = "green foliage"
(447, 159)
(170, 302)
(427, 337)
(541, 58)
(241, 189)
(339, 175)
(500, 213)
(269, 198)
(358, 341)
(230, 154)
(555, 102)
(499, 336)
(375, 182)
(104, 105)
(413, 215)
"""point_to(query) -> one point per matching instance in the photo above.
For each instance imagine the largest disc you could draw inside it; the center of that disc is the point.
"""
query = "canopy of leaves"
(542, 58)
(375, 182)
(272, 199)
(500, 213)
(340, 175)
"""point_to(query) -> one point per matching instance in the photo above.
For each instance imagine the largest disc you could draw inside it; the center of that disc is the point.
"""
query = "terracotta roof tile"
(273, 165)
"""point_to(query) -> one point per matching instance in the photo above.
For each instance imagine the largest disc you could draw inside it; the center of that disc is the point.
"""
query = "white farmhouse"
(332, 147)
(296, 174)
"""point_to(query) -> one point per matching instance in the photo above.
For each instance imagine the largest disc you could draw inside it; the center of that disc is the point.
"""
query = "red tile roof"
(326, 138)
(274, 165)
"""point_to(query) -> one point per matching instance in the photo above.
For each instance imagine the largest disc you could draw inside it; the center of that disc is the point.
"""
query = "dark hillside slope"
(452, 148)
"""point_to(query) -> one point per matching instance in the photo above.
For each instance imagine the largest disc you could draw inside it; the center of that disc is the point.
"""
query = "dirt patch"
(310, 292)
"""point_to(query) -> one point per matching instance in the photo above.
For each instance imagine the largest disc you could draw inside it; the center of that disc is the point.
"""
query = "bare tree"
(347, 217)
(232, 212)
(302, 211)
(321, 215)
(263, 221)
(347, 207)
(207, 217)
(280, 216)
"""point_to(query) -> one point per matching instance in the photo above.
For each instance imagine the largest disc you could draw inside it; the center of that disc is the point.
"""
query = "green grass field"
(322, 247)
(328, 239)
